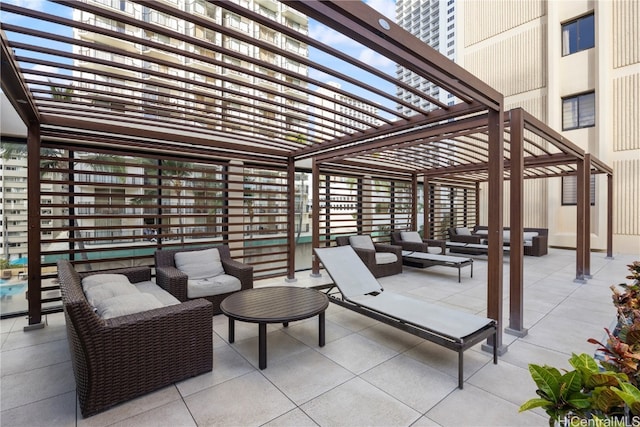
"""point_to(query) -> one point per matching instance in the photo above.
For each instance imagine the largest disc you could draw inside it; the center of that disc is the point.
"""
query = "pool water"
(14, 289)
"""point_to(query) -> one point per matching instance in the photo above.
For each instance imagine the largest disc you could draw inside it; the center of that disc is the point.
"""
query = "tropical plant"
(4, 264)
(584, 392)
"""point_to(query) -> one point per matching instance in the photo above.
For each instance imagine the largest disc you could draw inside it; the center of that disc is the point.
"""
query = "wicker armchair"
(438, 245)
(368, 256)
(124, 357)
(175, 281)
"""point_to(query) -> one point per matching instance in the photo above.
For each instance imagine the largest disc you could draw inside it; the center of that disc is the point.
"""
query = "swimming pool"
(12, 289)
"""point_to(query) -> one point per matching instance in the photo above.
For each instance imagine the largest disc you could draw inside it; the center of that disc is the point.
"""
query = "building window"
(578, 35)
(579, 111)
(570, 190)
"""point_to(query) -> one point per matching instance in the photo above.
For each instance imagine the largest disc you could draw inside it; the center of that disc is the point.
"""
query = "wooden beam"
(13, 85)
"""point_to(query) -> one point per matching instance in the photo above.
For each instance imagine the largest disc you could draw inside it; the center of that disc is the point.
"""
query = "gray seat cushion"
(216, 285)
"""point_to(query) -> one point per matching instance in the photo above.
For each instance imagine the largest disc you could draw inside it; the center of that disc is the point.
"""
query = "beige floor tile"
(416, 384)
(510, 382)
(391, 337)
(227, 364)
(172, 414)
(294, 418)
(33, 357)
(59, 411)
(357, 353)
(244, 401)
(132, 408)
(475, 407)
(446, 361)
(35, 385)
(358, 403)
(279, 345)
(307, 331)
(304, 376)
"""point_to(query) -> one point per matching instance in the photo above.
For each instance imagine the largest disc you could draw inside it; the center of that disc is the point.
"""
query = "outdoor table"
(274, 304)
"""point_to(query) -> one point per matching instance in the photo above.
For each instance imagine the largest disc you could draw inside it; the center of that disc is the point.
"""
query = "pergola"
(160, 80)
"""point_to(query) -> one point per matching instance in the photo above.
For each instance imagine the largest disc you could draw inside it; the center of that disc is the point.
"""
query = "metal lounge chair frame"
(361, 292)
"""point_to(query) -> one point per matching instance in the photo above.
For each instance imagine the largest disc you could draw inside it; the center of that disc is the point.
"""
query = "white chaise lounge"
(361, 292)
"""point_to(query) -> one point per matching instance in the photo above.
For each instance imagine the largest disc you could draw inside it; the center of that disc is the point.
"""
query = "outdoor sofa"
(535, 240)
(122, 357)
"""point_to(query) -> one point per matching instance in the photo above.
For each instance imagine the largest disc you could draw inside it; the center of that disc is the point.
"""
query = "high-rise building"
(223, 69)
(338, 114)
(574, 65)
(13, 193)
(433, 22)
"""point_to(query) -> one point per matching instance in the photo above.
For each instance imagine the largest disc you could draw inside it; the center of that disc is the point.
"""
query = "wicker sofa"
(535, 240)
(171, 278)
(120, 358)
(371, 257)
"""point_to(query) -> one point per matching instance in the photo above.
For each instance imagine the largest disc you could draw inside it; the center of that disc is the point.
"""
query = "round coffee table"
(274, 304)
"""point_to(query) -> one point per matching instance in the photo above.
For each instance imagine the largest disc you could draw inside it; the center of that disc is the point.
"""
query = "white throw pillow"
(200, 264)
(105, 291)
(434, 250)
(126, 304)
(411, 236)
(529, 235)
(362, 242)
(463, 231)
(102, 278)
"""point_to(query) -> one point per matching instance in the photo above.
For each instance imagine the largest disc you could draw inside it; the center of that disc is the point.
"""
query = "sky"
(319, 32)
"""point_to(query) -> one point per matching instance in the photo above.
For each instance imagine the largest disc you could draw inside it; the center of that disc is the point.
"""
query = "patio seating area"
(368, 373)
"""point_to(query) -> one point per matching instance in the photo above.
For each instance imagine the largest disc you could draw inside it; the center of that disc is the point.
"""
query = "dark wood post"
(34, 270)
(516, 227)
(495, 224)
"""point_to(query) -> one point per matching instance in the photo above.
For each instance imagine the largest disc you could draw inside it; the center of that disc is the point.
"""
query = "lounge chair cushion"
(121, 305)
(100, 279)
(216, 285)
(198, 265)
(463, 231)
(105, 291)
(529, 235)
(411, 236)
(385, 258)
(362, 242)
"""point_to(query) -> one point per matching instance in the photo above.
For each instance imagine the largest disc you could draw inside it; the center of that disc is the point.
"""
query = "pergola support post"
(291, 220)
(495, 226)
(587, 216)
(414, 203)
(609, 216)
(34, 280)
(582, 198)
(315, 218)
(516, 228)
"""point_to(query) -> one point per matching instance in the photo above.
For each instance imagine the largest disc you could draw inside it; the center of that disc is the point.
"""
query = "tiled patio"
(367, 374)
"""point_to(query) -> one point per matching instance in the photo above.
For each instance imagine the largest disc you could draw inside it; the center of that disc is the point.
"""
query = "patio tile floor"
(368, 374)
